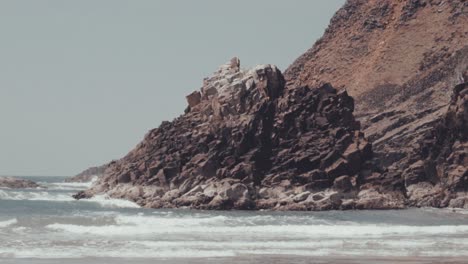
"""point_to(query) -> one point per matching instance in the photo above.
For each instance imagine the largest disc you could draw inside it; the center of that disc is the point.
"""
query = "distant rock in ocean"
(89, 174)
(17, 183)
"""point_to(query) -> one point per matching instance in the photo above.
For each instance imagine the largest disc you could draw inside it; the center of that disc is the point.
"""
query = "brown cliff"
(400, 60)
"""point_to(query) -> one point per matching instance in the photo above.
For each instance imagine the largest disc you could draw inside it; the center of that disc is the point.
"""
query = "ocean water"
(48, 226)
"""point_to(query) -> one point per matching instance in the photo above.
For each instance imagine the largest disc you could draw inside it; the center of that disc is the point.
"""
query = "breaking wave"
(108, 202)
(102, 227)
(60, 196)
(175, 236)
(34, 196)
(8, 222)
(70, 185)
(207, 226)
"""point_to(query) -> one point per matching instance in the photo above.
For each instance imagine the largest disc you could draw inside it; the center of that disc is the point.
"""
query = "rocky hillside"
(400, 61)
(247, 143)
(375, 48)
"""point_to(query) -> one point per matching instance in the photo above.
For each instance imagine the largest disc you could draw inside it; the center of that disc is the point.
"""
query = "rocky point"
(245, 142)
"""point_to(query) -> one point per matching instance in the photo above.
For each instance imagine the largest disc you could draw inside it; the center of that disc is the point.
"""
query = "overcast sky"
(81, 82)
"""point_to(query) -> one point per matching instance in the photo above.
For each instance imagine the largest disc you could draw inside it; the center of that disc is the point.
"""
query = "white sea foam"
(151, 225)
(34, 196)
(101, 232)
(70, 185)
(108, 202)
(102, 200)
(227, 248)
(119, 252)
(8, 222)
(176, 235)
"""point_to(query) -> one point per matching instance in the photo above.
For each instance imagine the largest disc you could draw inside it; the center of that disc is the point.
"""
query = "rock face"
(89, 174)
(247, 143)
(440, 176)
(401, 60)
(375, 48)
(16, 183)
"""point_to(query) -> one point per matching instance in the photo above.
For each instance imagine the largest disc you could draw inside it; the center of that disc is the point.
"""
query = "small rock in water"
(16, 183)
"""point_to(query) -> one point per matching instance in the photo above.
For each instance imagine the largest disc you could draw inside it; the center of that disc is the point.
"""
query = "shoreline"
(248, 259)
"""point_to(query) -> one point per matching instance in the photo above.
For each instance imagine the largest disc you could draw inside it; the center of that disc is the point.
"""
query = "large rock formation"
(255, 140)
(17, 183)
(247, 143)
(400, 60)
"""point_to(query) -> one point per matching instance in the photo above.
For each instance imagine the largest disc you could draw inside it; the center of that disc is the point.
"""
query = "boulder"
(343, 183)
(193, 99)
(301, 197)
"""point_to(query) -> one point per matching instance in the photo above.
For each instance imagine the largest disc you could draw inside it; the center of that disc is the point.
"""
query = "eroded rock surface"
(247, 143)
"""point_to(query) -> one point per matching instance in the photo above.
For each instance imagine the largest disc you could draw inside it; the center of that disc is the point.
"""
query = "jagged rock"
(301, 197)
(373, 199)
(425, 194)
(414, 173)
(193, 99)
(246, 143)
(459, 202)
(235, 64)
(343, 183)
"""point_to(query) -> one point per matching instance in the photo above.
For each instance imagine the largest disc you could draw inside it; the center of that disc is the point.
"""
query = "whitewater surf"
(46, 225)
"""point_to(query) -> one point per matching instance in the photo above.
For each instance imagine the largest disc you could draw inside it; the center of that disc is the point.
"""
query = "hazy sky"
(82, 81)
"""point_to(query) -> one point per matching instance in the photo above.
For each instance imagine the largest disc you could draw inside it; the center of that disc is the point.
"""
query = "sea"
(46, 225)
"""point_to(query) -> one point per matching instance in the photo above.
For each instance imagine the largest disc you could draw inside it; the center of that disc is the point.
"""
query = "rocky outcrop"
(247, 143)
(89, 174)
(17, 183)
